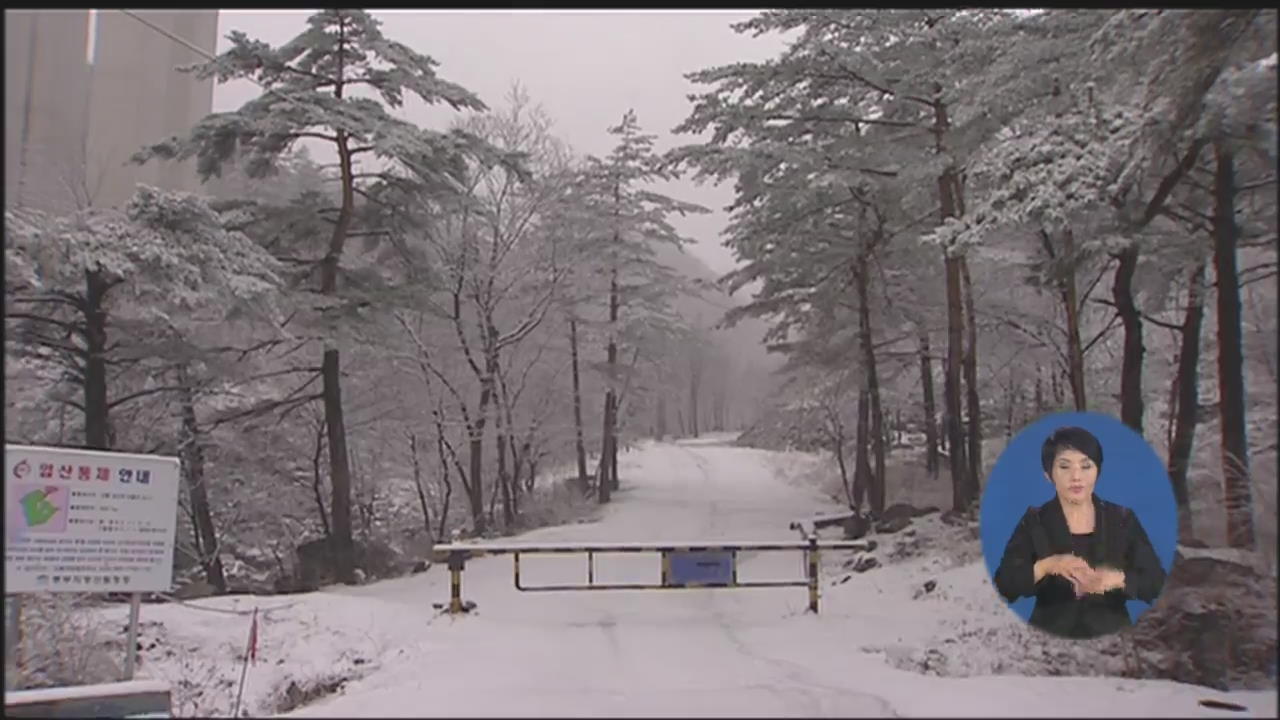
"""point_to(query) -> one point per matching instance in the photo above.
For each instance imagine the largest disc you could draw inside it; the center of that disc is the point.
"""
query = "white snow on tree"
(169, 250)
(1054, 176)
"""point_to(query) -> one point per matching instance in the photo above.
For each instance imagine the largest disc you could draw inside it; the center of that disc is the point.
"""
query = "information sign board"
(88, 521)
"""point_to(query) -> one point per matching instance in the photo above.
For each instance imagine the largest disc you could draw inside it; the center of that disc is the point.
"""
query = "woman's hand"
(1084, 579)
(1099, 581)
(1065, 565)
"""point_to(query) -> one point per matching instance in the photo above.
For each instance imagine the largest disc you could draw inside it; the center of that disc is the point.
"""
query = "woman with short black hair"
(1080, 556)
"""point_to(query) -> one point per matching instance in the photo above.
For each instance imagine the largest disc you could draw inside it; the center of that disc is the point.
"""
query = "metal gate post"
(813, 573)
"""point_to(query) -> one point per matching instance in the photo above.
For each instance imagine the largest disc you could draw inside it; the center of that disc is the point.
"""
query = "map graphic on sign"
(41, 508)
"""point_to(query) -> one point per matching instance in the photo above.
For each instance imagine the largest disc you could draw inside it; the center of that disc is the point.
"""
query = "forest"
(363, 335)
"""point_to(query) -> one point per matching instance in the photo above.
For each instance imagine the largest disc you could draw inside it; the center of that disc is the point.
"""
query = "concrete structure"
(83, 92)
(46, 107)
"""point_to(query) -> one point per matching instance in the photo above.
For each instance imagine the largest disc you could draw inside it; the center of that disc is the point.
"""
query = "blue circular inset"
(1132, 475)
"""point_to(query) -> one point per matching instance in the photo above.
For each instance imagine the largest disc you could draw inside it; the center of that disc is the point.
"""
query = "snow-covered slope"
(382, 650)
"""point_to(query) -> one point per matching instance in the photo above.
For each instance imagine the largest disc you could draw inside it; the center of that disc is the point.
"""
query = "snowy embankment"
(877, 648)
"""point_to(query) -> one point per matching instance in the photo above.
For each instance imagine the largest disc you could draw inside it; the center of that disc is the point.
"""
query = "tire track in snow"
(814, 693)
(711, 600)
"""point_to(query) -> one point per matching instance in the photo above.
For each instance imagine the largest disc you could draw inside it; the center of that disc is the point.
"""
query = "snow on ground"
(199, 647)
(740, 652)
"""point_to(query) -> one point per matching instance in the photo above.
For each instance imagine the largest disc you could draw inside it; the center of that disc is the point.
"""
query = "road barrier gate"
(684, 566)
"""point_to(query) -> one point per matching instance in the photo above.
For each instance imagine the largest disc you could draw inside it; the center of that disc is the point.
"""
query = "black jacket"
(1118, 541)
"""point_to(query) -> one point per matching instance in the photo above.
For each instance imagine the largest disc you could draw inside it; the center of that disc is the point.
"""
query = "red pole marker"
(253, 638)
(250, 656)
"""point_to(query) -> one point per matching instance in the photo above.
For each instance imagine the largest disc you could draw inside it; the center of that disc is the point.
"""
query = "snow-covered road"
(700, 652)
(735, 652)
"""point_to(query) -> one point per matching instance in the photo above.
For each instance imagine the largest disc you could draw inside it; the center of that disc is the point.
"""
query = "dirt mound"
(1211, 626)
(1013, 648)
(952, 544)
(1214, 625)
(295, 694)
(897, 511)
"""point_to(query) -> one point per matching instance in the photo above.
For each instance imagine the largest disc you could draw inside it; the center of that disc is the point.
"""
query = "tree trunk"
(613, 444)
(360, 492)
(838, 436)
(339, 467)
(1039, 390)
(971, 385)
(316, 481)
(531, 463)
(861, 462)
(475, 467)
(518, 452)
(518, 462)
(580, 446)
(494, 491)
(417, 484)
(1070, 301)
(1187, 385)
(504, 477)
(447, 502)
(501, 429)
(192, 454)
(339, 470)
(661, 419)
(1131, 364)
(1171, 415)
(695, 383)
(96, 411)
(490, 398)
(520, 458)
(604, 486)
(611, 397)
(930, 410)
(717, 405)
(950, 202)
(871, 383)
(955, 328)
(475, 449)
(1237, 494)
(957, 464)
(1011, 400)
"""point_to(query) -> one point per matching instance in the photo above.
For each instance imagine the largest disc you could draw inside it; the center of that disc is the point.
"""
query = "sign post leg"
(13, 641)
(131, 637)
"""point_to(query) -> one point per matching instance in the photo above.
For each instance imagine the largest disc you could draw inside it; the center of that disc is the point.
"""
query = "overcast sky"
(585, 68)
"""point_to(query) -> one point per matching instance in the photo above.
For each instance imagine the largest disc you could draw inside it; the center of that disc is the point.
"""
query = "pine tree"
(634, 219)
(71, 280)
(865, 94)
(310, 91)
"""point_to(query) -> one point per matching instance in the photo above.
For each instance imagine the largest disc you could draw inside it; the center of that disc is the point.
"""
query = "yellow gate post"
(813, 573)
(456, 561)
